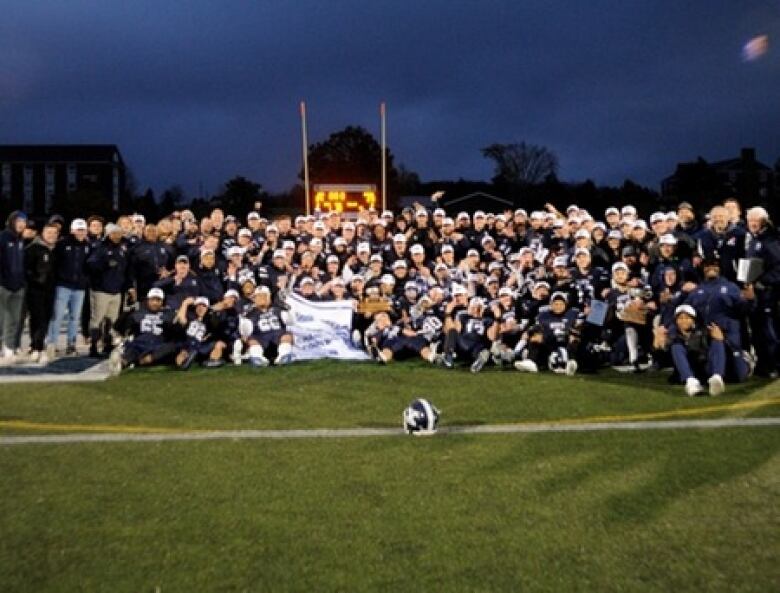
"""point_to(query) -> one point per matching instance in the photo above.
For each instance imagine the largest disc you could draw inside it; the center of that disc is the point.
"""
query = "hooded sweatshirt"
(12, 275)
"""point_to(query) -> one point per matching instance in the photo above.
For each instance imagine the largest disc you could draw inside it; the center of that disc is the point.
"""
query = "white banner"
(322, 330)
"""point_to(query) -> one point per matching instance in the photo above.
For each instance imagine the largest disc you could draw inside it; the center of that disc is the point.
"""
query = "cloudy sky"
(196, 92)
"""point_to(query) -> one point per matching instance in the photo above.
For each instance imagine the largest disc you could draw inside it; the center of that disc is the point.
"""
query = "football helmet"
(421, 417)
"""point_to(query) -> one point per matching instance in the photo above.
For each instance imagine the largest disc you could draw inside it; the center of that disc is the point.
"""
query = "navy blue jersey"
(589, 284)
(557, 328)
(266, 321)
(154, 326)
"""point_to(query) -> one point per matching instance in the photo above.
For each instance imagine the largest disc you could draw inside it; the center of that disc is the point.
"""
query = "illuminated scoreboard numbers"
(343, 198)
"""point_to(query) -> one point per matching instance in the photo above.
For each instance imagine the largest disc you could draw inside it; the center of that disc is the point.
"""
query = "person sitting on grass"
(150, 330)
(471, 336)
(554, 340)
(265, 331)
(697, 352)
(198, 323)
(391, 341)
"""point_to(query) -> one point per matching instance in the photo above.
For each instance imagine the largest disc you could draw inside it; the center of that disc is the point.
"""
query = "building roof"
(60, 153)
(738, 164)
(480, 196)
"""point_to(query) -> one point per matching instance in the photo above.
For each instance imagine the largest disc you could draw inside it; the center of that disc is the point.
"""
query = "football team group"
(561, 291)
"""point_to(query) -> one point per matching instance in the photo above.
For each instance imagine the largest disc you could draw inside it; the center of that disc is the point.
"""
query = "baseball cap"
(230, 293)
(78, 224)
(619, 266)
(687, 309)
(155, 293)
(558, 295)
(201, 300)
(560, 261)
(183, 259)
(667, 240)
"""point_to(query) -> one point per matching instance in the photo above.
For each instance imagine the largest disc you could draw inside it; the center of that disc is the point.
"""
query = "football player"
(195, 317)
(265, 331)
(391, 341)
(150, 327)
(470, 336)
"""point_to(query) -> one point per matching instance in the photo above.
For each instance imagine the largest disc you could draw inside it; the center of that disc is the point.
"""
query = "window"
(49, 189)
(115, 194)
(5, 184)
(27, 203)
(71, 175)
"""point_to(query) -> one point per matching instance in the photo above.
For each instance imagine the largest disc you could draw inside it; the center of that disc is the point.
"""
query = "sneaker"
(115, 362)
(43, 359)
(447, 361)
(571, 367)
(357, 339)
(70, 350)
(693, 387)
(283, 359)
(213, 364)
(526, 366)
(480, 361)
(235, 356)
(187, 361)
(35, 356)
(51, 351)
(716, 385)
(259, 362)
(7, 356)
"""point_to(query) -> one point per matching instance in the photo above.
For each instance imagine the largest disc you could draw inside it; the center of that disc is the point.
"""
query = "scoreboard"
(341, 197)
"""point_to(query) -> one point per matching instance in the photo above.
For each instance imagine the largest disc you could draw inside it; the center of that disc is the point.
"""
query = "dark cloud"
(205, 90)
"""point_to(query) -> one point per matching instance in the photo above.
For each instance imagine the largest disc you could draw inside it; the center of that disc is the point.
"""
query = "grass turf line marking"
(119, 429)
(396, 432)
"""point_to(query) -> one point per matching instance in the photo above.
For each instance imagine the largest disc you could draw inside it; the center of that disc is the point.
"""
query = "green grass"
(687, 510)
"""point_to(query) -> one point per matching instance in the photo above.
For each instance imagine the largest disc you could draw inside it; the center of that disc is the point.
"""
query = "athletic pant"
(11, 302)
(40, 305)
(716, 361)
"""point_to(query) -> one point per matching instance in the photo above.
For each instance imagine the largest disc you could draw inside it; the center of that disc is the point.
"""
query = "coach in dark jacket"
(150, 261)
(70, 258)
(762, 242)
(39, 268)
(12, 283)
(107, 265)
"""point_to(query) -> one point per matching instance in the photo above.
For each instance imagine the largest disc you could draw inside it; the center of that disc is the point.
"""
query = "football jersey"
(266, 321)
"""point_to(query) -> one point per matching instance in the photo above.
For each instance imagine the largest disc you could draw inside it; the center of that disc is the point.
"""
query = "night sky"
(201, 91)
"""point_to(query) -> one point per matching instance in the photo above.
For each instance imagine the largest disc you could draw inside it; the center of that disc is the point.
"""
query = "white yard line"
(336, 433)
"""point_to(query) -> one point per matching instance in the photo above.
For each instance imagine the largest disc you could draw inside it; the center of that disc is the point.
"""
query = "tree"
(522, 164)
(350, 156)
(238, 196)
(172, 199)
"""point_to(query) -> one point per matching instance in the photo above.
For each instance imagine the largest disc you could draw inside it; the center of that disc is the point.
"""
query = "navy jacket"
(176, 293)
(12, 274)
(108, 264)
(70, 257)
(766, 245)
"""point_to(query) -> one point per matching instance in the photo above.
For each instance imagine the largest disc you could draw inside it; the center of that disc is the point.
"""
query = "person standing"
(39, 267)
(107, 264)
(12, 284)
(70, 258)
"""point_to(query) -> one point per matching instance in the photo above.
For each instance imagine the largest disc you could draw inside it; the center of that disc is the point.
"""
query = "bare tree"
(521, 164)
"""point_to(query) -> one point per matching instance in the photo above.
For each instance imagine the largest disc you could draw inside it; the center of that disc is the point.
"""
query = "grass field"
(677, 510)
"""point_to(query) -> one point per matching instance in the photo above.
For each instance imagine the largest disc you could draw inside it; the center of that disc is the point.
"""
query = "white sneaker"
(51, 351)
(571, 367)
(43, 359)
(115, 362)
(238, 346)
(526, 366)
(8, 353)
(35, 356)
(693, 387)
(717, 386)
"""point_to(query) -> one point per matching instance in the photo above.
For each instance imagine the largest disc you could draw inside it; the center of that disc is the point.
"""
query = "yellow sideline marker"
(119, 429)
